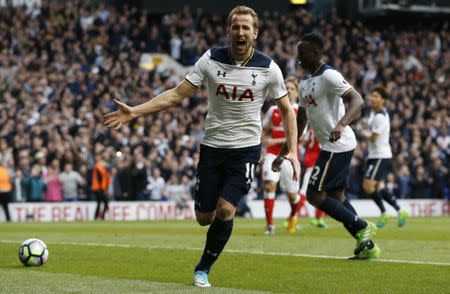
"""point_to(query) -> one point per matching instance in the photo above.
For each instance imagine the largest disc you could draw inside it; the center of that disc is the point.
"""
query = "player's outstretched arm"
(165, 100)
(352, 113)
(290, 129)
(119, 117)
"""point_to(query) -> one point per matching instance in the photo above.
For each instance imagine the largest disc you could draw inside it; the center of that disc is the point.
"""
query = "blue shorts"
(331, 171)
(226, 173)
(378, 168)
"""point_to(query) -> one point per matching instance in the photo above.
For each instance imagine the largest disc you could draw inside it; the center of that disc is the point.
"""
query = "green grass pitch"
(159, 257)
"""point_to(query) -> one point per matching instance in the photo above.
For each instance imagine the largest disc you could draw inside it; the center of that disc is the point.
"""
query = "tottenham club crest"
(254, 79)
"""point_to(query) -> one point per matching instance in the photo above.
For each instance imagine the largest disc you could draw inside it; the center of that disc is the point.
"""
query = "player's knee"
(337, 194)
(314, 198)
(368, 187)
(270, 186)
(225, 214)
(292, 196)
(204, 219)
(225, 210)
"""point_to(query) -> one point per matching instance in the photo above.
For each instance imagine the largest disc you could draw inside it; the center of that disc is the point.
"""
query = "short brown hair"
(381, 90)
(239, 10)
(291, 79)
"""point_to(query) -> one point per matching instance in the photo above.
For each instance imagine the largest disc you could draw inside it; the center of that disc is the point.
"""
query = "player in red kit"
(312, 150)
(274, 139)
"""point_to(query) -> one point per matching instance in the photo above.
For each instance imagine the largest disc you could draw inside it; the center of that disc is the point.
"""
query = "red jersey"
(274, 117)
(312, 149)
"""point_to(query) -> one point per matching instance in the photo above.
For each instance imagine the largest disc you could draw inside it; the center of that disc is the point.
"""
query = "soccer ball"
(33, 252)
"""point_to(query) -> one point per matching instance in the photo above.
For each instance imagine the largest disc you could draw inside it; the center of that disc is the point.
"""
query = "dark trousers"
(4, 200)
(100, 196)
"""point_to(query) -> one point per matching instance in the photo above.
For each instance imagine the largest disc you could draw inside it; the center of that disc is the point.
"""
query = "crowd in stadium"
(61, 65)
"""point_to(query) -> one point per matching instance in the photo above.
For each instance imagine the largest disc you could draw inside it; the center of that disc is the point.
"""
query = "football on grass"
(33, 252)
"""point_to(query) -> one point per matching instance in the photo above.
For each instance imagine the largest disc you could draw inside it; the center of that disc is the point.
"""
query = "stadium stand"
(61, 64)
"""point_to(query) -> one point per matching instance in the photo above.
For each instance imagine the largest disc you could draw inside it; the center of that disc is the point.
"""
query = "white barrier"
(84, 211)
(365, 208)
(147, 210)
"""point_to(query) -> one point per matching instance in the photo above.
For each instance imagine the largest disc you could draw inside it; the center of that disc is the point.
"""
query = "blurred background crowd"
(61, 64)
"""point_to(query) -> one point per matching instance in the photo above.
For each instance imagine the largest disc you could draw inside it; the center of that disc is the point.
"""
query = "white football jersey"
(321, 96)
(380, 124)
(236, 95)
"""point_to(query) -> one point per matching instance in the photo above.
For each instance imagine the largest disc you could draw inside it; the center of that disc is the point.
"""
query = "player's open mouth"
(240, 43)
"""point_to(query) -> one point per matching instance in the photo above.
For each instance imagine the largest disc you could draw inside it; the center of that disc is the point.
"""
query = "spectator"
(100, 183)
(6, 152)
(53, 192)
(443, 139)
(70, 181)
(34, 185)
(121, 180)
(176, 191)
(391, 184)
(420, 184)
(5, 190)
(403, 181)
(40, 160)
(114, 190)
(439, 176)
(188, 187)
(18, 181)
(175, 45)
(137, 177)
(96, 57)
(84, 189)
(156, 184)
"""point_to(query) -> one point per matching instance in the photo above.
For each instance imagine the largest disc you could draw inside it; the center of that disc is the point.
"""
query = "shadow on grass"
(16, 266)
(20, 266)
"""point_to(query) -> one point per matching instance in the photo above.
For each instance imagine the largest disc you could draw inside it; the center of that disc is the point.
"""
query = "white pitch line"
(255, 252)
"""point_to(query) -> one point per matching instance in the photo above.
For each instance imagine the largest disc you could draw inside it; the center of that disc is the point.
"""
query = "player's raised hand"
(276, 164)
(336, 133)
(293, 159)
(118, 118)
